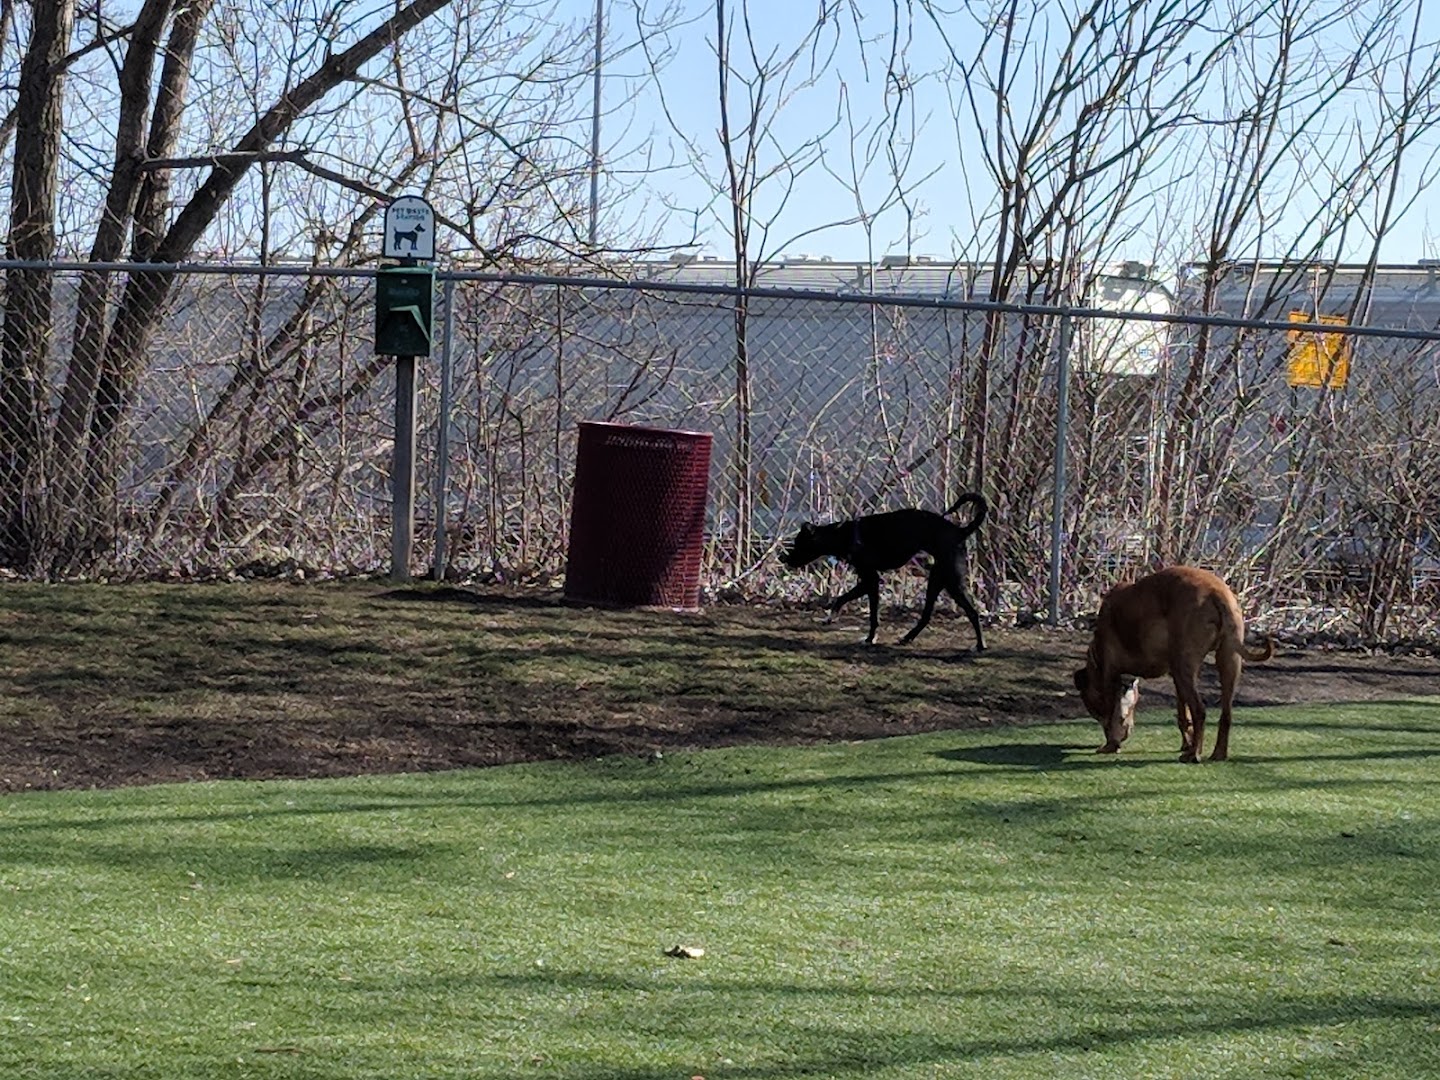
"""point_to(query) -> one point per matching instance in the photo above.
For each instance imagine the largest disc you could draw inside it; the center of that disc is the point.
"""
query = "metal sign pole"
(402, 477)
(404, 296)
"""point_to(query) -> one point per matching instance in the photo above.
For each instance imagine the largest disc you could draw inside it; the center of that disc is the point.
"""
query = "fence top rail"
(1000, 307)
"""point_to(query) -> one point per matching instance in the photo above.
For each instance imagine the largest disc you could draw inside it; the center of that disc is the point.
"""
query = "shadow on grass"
(1412, 754)
(630, 774)
(814, 1048)
(449, 594)
(1040, 756)
(1375, 674)
(1375, 720)
(1073, 756)
(207, 863)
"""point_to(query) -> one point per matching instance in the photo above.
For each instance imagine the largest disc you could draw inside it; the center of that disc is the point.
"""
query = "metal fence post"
(1062, 424)
(442, 435)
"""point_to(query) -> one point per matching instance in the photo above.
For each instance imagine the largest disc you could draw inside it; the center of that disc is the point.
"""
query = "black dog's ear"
(1082, 680)
(806, 528)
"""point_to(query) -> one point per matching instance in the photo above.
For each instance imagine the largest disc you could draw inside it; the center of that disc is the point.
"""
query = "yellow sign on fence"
(1315, 359)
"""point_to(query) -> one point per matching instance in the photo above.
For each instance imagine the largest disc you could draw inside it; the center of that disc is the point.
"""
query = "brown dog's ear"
(1082, 680)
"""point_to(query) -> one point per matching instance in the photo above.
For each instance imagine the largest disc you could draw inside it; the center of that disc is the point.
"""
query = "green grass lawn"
(988, 904)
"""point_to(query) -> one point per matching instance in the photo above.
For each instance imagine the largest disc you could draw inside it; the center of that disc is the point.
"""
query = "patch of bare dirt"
(477, 679)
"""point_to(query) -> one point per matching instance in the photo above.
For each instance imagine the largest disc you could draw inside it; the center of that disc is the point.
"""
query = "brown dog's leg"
(1188, 695)
(1187, 732)
(1228, 664)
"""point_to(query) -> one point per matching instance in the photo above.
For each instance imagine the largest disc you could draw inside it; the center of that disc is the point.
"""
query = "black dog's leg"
(971, 614)
(951, 584)
(955, 586)
(869, 586)
(844, 598)
(870, 580)
(933, 585)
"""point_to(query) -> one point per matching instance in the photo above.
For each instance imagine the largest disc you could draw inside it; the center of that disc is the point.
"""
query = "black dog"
(888, 541)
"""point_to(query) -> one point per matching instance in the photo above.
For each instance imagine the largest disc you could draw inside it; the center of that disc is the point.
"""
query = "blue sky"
(943, 185)
(845, 99)
(662, 148)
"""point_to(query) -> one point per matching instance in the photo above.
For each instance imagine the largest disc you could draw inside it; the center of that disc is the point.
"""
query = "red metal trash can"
(637, 518)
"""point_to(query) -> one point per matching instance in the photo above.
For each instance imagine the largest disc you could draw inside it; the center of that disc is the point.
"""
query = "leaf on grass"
(685, 952)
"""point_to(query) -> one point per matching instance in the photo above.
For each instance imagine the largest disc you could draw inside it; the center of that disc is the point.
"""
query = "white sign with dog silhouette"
(409, 229)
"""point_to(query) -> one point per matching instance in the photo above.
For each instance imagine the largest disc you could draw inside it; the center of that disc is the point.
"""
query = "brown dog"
(1169, 622)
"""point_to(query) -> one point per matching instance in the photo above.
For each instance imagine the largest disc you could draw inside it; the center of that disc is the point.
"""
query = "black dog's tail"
(981, 509)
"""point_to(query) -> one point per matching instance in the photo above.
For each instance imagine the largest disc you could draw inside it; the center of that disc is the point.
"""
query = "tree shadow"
(816, 1048)
(1032, 756)
(450, 594)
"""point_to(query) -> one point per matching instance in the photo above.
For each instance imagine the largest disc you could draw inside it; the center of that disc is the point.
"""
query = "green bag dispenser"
(404, 308)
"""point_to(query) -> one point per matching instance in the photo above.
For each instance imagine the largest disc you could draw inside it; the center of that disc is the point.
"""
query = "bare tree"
(759, 80)
(1072, 108)
(1205, 134)
(876, 166)
(304, 125)
(1287, 184)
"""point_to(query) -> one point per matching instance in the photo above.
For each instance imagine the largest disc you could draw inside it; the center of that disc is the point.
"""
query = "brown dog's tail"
(1256, 654)
(981, 509)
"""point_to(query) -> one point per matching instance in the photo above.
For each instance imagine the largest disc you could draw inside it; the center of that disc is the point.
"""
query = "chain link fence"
(255, 434)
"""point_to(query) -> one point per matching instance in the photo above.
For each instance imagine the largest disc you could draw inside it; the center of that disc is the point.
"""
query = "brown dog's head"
(1113, 706)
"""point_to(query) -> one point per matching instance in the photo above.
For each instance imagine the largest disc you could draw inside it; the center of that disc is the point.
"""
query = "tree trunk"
(25, 347)
(153, 199)
(142, 305)
(77, 401)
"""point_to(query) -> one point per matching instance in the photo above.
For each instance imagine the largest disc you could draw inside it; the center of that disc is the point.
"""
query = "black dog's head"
(803, 550)
(816, 541)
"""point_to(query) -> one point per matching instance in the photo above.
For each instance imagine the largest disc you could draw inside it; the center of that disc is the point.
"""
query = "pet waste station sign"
(409, 229)
(405, 293)
(404, 318)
